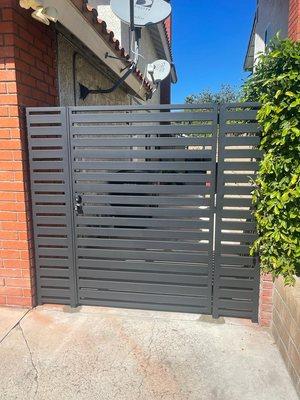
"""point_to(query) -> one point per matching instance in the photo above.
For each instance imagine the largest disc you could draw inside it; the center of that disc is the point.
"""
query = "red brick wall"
(294, 20)
(27, 78)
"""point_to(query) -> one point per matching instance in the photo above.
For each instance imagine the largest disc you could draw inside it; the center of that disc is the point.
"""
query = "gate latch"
(78, 204)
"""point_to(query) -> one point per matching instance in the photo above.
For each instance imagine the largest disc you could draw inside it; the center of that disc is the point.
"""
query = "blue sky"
(210, 39)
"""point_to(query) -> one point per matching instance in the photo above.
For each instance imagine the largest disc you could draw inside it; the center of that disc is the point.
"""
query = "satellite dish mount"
(139, 13)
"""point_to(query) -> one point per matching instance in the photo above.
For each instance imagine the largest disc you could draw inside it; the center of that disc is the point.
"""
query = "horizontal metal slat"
(52, 221)
(237, 225)
(237, 190)
(48, 176)
(48, 165)
(50, 230)
(242, 153)
(52, 241)
(153, 288)
(145, 165)
(239, 115)
(236, 202)
(46, 131)
(151, 301)
(137, 188)
(54, 282)
(147, 200)
(141, 244)
(204, 108)
(238, 178)
(137, 154)
(48, 154)
(222, 312)
(54, 272)
(237, 214)
(45, 118)
(148, 211)
(250, 127)
(54, 300)
(141, 222)
(239, 166)
(235, 294)
(46, 142)
(128, 130)
(146, 277)
(142, 177)
(235, 283)
(143, 233)
(237, 272)
(142, 255)
(146, 266)
(49, 198)
(49, 187)
(236, 260)
(55, 293)
(236, 305)
(238, 237)
(51, 209)
(241, 140)
(143, 142)
(102, 118)
(54, 262)
(235, 249)
(54, 252)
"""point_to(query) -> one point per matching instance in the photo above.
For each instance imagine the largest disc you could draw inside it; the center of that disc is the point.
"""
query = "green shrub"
(276, 84)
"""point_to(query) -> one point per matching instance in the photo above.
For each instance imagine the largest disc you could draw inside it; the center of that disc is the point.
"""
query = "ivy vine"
(275, 83)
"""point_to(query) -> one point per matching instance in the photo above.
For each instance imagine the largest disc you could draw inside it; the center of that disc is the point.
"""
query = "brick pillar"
(27, 78)
(265, 300)
(294, 20)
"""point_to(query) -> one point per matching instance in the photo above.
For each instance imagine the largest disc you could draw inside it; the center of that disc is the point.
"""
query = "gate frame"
(33, 118)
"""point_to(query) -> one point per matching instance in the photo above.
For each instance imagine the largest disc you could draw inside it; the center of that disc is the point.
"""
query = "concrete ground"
(97, 353)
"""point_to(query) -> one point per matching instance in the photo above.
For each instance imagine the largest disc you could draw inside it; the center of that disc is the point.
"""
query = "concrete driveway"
(97, 353)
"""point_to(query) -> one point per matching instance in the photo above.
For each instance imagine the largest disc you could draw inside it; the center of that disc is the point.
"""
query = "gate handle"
(78, 204)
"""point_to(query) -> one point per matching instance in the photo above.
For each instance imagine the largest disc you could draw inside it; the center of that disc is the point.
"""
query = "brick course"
(294, 20)
(27, 79)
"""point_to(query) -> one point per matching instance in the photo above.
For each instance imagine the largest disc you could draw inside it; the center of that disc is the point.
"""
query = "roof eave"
(166, 45)
(249, 58)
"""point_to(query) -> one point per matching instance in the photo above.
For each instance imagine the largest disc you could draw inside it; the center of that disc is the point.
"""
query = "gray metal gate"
(130, 211)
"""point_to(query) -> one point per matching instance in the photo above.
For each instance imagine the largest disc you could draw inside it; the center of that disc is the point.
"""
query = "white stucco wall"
(272, 16)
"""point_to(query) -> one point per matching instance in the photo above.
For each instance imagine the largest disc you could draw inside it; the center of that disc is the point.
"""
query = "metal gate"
(145, 206)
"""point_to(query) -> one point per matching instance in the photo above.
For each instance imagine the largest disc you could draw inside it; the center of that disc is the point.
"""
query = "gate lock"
(78, 204)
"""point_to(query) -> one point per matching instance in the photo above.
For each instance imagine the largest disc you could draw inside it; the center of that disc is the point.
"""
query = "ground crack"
(15, 325)
(36, 377)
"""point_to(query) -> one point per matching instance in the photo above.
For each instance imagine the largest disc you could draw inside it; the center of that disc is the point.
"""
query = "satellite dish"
(146, 12)
(158, 71)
